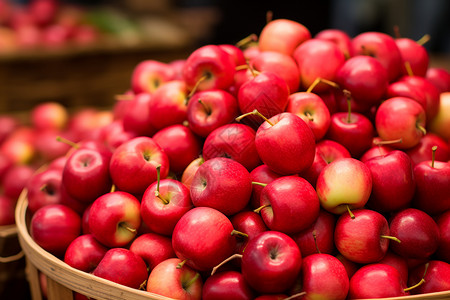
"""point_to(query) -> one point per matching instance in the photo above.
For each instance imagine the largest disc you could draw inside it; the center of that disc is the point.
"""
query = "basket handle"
(11, 258)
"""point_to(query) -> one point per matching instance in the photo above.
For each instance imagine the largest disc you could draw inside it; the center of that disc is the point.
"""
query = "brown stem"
(397, 32)
(309, 116)
(181, 264)
(314, 233)
(113, 188)
(206, 108)
(259, 183)
(423, 40)
(422, 129)
(158, 180)
(224, 262)
(379, 143)
(239, 233)
(408, 68)
(321, 80)
(255, 112)
(390, 238)
(203, 78)
(241, 67)
(190, 282)
(125, 226)
(258, 210)
(68, 142)
(433, 155)
(269, 16)
(350, 212)
(414, 286)
(301, 294)
(247, 40)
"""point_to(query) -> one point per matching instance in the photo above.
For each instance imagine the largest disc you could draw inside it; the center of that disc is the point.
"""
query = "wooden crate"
(63, 279)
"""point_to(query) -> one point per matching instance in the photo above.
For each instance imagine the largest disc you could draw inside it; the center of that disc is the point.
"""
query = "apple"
(215, 180)
(414, 54)
(54, 227)
(180, 144)
(284, 200)
(401, 118)
(282, 35)
(376, 281)
(209, 67)
(313, 110)
(424, 149)
(271, 262)
(363, 239)
(7, 209)
(227, 285)
(249, 223)
(344, 184)
(310, 56)
(324, 276)
(443, 250)
(136, 116)
(417, 231)
(440, 77)
(16, 179)
(49, 115)
(169, 280)
(138, 158)
(203, 237)
(340, 38)
(393, 181)
(190, 170)
(261, 174)
(43, 188)
(235, 141)
(436, 275)
(398, 262)
(7, 126)
(149, 74)
(122, 266)
(84, 253)
(331, 150)
(153, 248)
(114, 218)
(208, 110)
(163, 203)
(114, 134)
(440, 124)
(279, 63)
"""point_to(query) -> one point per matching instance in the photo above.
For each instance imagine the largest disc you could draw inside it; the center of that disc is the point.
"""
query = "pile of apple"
(43, 24)
(297, 166)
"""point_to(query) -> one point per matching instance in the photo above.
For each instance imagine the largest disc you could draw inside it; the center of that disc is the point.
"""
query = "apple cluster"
(43, 24)
(291, 166)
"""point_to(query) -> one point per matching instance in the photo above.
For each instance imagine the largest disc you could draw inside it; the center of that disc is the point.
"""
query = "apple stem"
(379, 143)
(321, 80)
(309, 116)
(113, 188)
(348, 98)
(181, 264)
(124, 225)
(124, 97)
(190, 282)
(247, 40)
(142, 286)
(259, 183)
(194, 89)
(301, 294)
(408, 68)
(158, 180)
(43, 187)
(414, 286)
(214, 270)
(68, 142)
(433, 155)
(239, 233)
(314, 233)
(422, 129)
(397, 32)
(258, 210)
(242, 67)
(256, 113)
(269, 16)
(423, 40)
(350, 212)
(390, 238)
(206, 108)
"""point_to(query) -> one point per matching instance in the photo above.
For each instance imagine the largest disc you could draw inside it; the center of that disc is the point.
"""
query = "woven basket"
(63, 279)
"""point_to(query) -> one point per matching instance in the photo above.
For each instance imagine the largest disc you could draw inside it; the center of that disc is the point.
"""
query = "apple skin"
(359, 239)
(84, 253)
(400, 117)
(393, 181)
(376, 281)
(138, 158)
(415, 54)
(203, 237)
(310, 56)
(282, 35)
(432, 187)
(235, 141)
(440, 124)
(161, 217)
(271, 262)
(114, 218)
(398, 262)
(324, 277)
(282, 64)
(219, 108)
(44, 188)
(7, 209)
(249, 223)
(213, 62)
(340, 38)
(437, 277)
(180, 144)
(136, 116)
(122, 266)
(417, 231)
(289, 197)
(166, 279)
(443, 251)
(287, 147)
(49, 115)
(313, 110)
(152, 248)
(261, 174)
(345, 181)
(54, 227)
(423, 150)
(322, 229)
(227, 285)
(190, 170)
(331, 150)
(148, 75)
(16, 179)
(440, 77)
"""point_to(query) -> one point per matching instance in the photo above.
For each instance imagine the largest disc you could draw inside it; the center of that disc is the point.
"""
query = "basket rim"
(73, 279)
(103, 289)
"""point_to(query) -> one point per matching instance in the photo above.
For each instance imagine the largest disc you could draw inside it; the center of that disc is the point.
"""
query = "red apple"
(340, 38)
(436, 275)
(415, 55)
(227, 285)
(152, 248)
(7, 209)
(443, 222)
(148, 75)
(84, 253)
